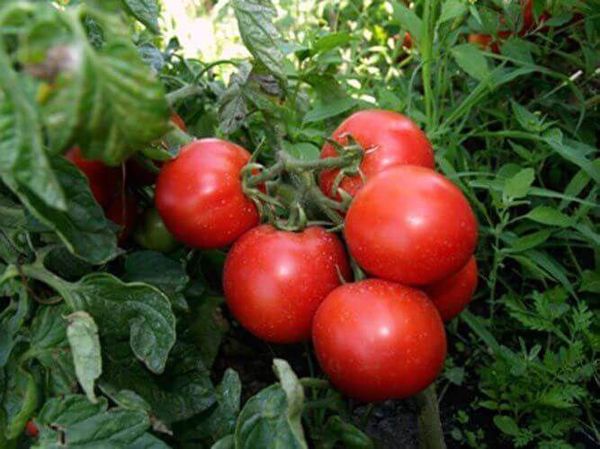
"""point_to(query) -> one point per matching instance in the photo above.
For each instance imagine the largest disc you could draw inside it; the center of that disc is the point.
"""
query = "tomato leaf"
(451, 9)
(24, 164)
(83, 228)
(83, 424)
(146, 11)
(471, 60)
(256, 22)
(272, 417)
(136, 310)
(518, 185)
(82, 333)
(93, 91)
(408, 20)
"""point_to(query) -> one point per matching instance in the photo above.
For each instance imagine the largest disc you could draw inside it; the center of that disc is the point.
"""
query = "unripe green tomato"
(152, 233)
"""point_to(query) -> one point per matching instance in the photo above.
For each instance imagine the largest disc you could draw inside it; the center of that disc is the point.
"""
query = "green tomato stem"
(431, 435)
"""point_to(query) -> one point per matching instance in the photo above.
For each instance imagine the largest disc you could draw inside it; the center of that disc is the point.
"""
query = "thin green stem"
(431, 435)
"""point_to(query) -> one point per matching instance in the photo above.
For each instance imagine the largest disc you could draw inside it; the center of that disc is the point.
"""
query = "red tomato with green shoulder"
(105, 182)
(388, 138)
(379, 340)
(410, 225)
(275, 280)
(452, 295)
(199, 194)
(123, 211)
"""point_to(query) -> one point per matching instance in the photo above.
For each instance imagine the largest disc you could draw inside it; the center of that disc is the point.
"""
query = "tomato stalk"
(431, 435)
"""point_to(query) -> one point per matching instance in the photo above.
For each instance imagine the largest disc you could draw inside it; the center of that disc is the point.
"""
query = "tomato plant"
(452, 294)
(275, 280)
(379, 340)
(199, 194)
(410, 225)
(388, 139)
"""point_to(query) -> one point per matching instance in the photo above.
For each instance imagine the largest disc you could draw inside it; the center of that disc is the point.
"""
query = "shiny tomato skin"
(105, 182)
(275, 280)
(123, 211)
(389, 139)
(199, 194)
(452, 295)
(379, 340)
(410, 225)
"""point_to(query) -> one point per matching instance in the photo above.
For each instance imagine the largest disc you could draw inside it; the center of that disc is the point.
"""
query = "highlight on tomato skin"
(379, 340)
(199, 194)
(274, 280)
(388, 138)
(410, 225)
(453, 294)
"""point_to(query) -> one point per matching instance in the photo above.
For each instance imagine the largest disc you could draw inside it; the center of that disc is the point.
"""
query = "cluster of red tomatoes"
(409, 228)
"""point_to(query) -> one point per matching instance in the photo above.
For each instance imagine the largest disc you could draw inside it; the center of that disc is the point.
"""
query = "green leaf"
(226, 442)
(471, 59)
(528, 121)
(590, 281)
(323, 111)
(529, 241)
(158, 270)
(554, 138)
(181, 392)
(81, 424)
(256, 21)
(507, 425)
(105, 99)
(18, 397)
(451, 9)
(549, 216)
(233, 106)
(330, 42)
(408, 20)
(518, 185)
(82, 333)
(137, 310)
(83, 227)
(208, 327)
(12, 319)
(24, 164)
(337, 431)
(146, 11)
(302, 150)
(49, 345)
(272, 417)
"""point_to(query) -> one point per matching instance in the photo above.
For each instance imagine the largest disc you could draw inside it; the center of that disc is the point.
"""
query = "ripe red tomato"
(453, 294)
(410, 225)
(379, 340)
(123, 211)
(199, 194)
(105, 182)
(275, 280)
(31, 429)
(389, 139)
